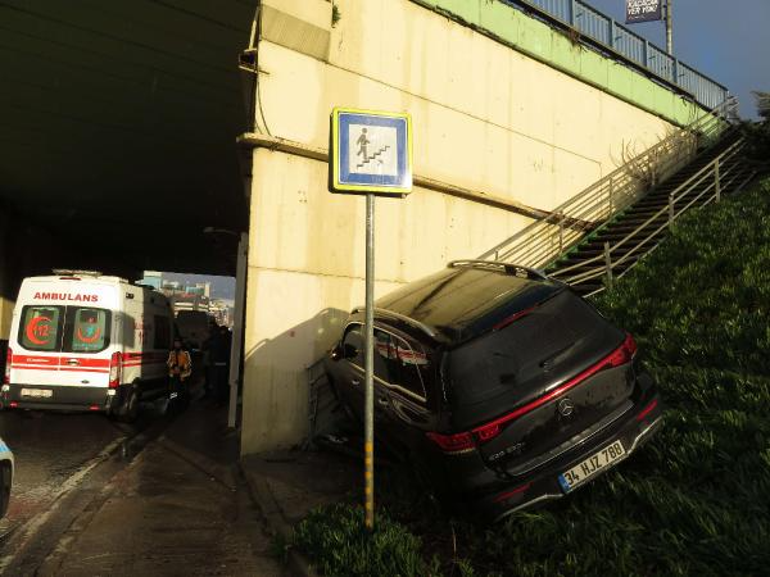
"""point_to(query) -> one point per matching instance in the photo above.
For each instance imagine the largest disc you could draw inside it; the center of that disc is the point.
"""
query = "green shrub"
(337, 541)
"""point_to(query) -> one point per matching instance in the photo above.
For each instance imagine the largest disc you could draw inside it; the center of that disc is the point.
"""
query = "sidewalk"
(287, 485)
(180, 508)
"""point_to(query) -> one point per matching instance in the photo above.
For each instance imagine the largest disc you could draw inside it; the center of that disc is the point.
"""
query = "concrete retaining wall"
(497, 120)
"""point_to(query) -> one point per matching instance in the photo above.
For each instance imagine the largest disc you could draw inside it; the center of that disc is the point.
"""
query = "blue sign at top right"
(643, 11)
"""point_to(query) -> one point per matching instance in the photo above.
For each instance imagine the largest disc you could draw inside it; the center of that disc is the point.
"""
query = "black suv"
(503, 386)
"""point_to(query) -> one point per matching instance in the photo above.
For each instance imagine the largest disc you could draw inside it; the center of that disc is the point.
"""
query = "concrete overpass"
(516, 107)
(118, 126)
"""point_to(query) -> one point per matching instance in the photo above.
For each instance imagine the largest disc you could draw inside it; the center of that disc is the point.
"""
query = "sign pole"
(669, 28)
(369, 362)
(370, 154)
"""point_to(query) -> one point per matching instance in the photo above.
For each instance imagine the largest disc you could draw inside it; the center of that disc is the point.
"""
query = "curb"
(259, 490)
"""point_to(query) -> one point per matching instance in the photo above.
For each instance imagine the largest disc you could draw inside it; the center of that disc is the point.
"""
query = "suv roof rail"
(507, 267)
(430, 331)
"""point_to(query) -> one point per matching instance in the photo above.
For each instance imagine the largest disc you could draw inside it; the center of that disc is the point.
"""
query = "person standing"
(179, 370)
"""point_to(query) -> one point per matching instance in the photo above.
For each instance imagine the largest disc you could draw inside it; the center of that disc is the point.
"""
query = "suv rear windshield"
(561, 331)
(64, 329)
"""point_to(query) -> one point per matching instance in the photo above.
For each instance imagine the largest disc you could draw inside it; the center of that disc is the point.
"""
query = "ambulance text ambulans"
(83, 341)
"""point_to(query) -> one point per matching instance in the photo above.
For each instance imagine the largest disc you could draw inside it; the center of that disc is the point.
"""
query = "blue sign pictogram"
(370, 152)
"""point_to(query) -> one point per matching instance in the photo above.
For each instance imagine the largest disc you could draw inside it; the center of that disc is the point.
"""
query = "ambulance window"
(40, 329)
(88, 330)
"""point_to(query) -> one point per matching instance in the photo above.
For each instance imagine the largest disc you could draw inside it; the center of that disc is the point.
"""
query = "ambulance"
(83, 341)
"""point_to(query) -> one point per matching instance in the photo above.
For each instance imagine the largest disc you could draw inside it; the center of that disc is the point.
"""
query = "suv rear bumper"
(542, 485)
(63, 398)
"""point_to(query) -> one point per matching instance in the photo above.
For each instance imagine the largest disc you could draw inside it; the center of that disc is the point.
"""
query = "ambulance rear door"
(64, 335)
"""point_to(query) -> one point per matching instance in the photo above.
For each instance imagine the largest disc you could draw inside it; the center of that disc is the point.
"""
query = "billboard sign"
(643, 11)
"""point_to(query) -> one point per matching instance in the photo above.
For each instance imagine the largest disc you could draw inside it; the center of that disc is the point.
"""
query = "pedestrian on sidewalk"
(179, 371)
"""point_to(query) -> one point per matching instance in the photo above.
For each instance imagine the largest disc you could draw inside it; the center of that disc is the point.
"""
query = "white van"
(83, 341)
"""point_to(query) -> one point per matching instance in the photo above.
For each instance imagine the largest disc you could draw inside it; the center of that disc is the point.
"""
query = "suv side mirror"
(346, 351)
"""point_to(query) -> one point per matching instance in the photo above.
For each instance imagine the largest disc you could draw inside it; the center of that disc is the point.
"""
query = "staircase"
(601, 233)
(609, 251)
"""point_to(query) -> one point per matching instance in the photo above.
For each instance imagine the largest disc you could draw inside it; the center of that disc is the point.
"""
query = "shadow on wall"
(277, 382)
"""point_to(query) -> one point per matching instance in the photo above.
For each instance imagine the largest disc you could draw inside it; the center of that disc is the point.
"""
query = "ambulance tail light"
(8, 363)
(116, 364)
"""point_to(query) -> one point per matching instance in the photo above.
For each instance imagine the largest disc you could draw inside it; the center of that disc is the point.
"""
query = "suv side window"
(402, 363)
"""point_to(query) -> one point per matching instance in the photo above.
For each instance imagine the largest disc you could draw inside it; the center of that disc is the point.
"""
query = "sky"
(727, 40)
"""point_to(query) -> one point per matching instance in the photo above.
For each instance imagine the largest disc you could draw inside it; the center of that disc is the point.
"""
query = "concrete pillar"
(304, 276)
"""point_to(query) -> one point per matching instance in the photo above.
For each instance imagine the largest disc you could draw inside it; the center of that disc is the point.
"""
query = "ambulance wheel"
(130, 408)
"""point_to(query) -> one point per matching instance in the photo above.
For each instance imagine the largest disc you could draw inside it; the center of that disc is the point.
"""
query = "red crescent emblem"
(86, 339)
(32, 327)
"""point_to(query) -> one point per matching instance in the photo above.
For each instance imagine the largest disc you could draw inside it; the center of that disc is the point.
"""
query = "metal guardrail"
(618, 40)
(540, 243)
(708, 182)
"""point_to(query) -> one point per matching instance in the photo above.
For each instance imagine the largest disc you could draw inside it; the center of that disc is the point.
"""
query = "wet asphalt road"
(49, 449)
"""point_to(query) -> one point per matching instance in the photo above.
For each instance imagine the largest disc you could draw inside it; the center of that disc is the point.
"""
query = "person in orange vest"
(179, 371)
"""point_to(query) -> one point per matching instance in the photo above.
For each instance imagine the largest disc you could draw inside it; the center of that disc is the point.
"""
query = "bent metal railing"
(702, 188)
(543, 241)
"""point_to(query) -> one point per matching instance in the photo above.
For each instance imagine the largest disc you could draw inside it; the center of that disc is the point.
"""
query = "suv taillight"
(8, 363)
(458, 443)
(116, 363)
(453, 444)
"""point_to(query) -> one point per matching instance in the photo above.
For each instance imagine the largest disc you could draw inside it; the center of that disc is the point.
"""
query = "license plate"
(591, 466)
(40, 393)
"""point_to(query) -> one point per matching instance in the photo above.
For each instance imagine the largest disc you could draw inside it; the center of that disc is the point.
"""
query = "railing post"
(612, 33)
(572, 12)
(646, 53)
(610, 199)
(670, 209)
(717, 181)
(608, 263)
(561, 233)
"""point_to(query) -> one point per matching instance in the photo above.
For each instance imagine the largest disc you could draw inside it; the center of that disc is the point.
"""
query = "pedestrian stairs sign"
(371, 152)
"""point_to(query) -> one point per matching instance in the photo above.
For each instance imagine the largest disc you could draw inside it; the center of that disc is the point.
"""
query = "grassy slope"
(696, 500)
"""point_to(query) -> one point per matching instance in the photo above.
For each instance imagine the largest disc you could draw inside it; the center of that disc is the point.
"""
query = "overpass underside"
(117, 131)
